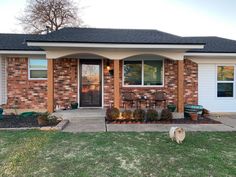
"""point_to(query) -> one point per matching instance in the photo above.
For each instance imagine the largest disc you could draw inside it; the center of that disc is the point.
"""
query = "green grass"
(35, 153)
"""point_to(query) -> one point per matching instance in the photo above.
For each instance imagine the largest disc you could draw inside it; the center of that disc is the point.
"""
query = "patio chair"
(129, 98)
(159, 99)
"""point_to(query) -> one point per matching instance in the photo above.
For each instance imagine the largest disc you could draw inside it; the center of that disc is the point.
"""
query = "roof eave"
(114, 45)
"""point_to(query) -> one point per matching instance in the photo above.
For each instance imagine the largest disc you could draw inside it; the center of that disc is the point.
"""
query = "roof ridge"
(123, 29)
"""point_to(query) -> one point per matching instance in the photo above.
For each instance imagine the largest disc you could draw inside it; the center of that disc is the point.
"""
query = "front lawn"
(35, 153)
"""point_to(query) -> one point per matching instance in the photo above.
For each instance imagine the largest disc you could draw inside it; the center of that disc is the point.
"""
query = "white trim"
(110, 45)
(32, 69)
(78, 83)
(22, 52)
(102, 85)
(211, 54)
(142, 77)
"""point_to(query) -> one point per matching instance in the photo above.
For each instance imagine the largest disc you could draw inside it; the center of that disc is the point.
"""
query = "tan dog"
(177, 134)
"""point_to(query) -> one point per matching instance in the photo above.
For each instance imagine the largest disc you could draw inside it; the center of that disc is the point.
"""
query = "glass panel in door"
(90, 83)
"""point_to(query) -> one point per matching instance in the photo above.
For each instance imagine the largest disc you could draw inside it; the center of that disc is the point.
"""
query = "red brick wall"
(190, 82)
(65, 82)
(22, 92)
(32, 94)
(108, 84)
(170, 83)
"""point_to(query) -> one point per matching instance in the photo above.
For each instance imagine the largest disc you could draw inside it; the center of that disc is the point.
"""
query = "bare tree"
(49, 15)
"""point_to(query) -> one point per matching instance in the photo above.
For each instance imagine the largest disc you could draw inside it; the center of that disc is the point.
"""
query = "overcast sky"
(181, 17)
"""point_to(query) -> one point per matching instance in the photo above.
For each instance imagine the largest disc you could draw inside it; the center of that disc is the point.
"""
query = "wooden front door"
(90, 72)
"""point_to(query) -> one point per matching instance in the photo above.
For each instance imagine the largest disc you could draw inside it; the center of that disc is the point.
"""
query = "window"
(37, 69)
(225, 81)
(143, 72)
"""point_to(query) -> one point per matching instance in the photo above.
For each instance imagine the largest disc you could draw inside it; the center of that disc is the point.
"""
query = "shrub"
(166, 114)
(139, 114)
(53, 120)
(112, 113)
(152, 115)
(45, 119)
(127, 114)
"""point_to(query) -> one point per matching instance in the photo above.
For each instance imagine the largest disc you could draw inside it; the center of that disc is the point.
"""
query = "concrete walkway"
(84, 120)
(93, 120)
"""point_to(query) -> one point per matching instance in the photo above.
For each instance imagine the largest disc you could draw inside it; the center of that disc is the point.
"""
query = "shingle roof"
(118, 36)
(16, 42)
(214, 44)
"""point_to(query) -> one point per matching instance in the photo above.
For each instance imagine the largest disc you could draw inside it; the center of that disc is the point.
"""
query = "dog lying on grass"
(177, 134)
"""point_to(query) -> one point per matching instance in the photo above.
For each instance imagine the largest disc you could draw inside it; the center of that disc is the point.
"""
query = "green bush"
(152, 115)
(166, 114)
(46, 119)
(139, 114)
(112, 114)
(127, 114)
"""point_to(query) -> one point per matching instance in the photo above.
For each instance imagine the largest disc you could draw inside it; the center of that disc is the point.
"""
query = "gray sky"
(181, 17)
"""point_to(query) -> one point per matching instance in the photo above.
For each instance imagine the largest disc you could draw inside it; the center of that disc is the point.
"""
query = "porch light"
(108, 65)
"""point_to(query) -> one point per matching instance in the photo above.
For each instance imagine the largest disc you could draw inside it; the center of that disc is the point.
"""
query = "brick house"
(94, 67)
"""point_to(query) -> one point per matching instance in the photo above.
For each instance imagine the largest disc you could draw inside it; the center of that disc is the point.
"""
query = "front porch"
(111, 86)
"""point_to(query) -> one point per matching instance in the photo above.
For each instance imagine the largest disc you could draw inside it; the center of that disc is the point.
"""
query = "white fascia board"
(210, 54)
(100, 45)
(21, 52)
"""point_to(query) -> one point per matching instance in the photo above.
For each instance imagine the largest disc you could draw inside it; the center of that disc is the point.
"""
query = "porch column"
(180, 84)
(116, 84)
(50, 102)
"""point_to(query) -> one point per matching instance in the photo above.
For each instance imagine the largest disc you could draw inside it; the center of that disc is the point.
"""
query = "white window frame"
(32, 69)
(142, 74)
(233, 82)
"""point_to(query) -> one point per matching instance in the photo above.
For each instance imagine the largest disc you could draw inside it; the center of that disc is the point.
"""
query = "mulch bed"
(173, 121)
(12, 121)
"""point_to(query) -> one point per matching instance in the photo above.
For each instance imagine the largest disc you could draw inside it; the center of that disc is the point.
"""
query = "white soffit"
(99, 45)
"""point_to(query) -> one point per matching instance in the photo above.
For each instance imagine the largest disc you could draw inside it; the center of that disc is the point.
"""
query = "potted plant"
(193, 116)
(171, 107)
(74, 105)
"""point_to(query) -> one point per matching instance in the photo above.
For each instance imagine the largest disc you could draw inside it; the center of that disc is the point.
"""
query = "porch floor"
(84, 120)
(93, 120)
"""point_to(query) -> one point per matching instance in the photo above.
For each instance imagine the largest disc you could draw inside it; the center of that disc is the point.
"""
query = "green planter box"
(188, 108)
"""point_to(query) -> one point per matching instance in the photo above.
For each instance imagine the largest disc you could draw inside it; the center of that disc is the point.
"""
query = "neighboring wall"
(3, 78)
(32, 94)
